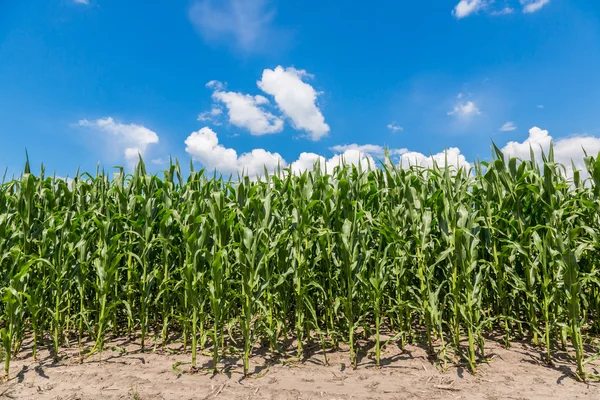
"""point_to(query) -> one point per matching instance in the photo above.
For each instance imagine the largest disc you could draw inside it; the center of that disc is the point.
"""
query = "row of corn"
(384, 255)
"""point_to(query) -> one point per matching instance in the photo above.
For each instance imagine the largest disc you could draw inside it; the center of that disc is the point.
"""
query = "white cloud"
(158, 161)
(505, 11)
(216, 85)
(507, 127)
(370, 149)
(211, 116)
(364, 148)
(453, 155)
(81, 1)
(351, 157)
(540, 106)
(204, 147)
(296, 99)
(531, 6)
(132, 154)
(307, 161)
(565, 149)
(407, 158)
(131, 138)
(466, 109)
(467, 7)
(394, 127)
(538, 139)
(245, 112)
(247, 24)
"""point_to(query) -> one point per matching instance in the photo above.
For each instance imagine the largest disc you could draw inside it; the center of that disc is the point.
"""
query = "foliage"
(435, 255)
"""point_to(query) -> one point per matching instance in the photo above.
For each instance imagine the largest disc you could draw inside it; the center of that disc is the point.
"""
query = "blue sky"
(237, 84)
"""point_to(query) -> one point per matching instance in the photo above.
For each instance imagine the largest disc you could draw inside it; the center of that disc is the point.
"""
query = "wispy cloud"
(211, 116)
(504, 11)
(394, 127)
(540, 106)
(467, 7)
(507, 127)
(531, 6)
(81, 1)
(247, 25)
(465, 109)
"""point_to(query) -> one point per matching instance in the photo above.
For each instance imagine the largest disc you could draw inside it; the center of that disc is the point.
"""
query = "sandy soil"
(127, 373)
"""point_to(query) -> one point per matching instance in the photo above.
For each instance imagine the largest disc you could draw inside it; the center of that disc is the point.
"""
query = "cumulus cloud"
(246, 111)
(307, 161)
(365, 154)
(131, 138)
(245, 24)
(507, 127)
(565, 149)
(531, 6)
(464, 8)
(538, 139)
(370, 149)
(394, 127)
(364, 148)
(465, 109)
(296, 99)
(453, 155)
(204, 147)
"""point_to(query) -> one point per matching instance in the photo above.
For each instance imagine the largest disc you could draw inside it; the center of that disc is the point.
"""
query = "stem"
(377, 327)
(194, 336)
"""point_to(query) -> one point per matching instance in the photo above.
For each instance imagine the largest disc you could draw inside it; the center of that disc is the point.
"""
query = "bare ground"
(127, 373)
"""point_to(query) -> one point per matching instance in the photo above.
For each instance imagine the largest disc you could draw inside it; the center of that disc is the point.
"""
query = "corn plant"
(442, 256)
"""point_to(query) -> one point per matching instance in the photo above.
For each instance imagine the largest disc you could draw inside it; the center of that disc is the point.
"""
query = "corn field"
(445, 257)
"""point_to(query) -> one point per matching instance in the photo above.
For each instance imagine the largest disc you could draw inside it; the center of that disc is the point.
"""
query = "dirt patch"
(127, 373)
